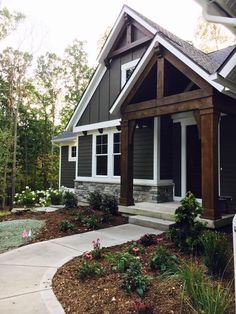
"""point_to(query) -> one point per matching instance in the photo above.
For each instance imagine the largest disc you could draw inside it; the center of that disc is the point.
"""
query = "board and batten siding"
(166, 150)
(108, 90)
(228, 157)
(85, 156)
(67, 169)
(143, 153)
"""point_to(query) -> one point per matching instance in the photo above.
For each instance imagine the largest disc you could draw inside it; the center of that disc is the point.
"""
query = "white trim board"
(96, 126)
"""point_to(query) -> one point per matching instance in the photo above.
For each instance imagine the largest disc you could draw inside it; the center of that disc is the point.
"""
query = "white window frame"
(115, 154)
(70, 158)
(125, 67)
(97, 155)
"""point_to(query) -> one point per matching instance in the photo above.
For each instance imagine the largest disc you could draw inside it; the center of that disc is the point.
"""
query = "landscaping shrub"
(91, 221)
(109, 204)
(88, 269)
(120, 261)
(70, 200)
(135, 248)
(185, 234)
(97, 250)
(148, 239)
(133, 280)
(203, 296)
(65, 225)
(27, 197)
(163, 261)
(215, 252)
(56, 197)
(95, 200)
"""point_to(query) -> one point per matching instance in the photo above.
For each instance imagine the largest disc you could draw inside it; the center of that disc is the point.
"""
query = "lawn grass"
(11, 232)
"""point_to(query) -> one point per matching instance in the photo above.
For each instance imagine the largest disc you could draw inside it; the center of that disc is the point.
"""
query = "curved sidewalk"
(26, 273)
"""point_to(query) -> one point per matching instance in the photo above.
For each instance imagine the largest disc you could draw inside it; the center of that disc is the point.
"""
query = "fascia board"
(228, 67)
(99, 125)
(116, 29)
(68, 139)
(87, 95)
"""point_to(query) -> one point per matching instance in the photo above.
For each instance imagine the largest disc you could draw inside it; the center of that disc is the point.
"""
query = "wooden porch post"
(127, 148)
(209, 119)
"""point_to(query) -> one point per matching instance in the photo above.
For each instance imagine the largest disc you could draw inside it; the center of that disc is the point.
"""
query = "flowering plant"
(97, 250)
(87, 255)
(135, 248)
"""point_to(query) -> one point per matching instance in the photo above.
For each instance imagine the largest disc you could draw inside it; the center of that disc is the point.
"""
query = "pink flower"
(159, 237)
(88, 255)
(24, 234)
(135, 250)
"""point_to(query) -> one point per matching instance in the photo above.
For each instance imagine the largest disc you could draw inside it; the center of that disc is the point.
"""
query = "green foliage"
(215, 252)
(56, 197)
(105, 202)
(91, 221)
(88, 269)
(109, 204)
(133, 280)
(65, 226)
(70, 200)
(185, 234)
(163, 261)
(120, 261)
(203, 296)
(27, 197)
(95, 200)
(148, 239)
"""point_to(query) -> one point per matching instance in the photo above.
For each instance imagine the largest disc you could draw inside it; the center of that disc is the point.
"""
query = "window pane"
(117, 165)
(98, 149)
(73, 151)
(99, 139)
(116, 148)
(104, 149)
(101, 165)
(116, 137)
(104, 139)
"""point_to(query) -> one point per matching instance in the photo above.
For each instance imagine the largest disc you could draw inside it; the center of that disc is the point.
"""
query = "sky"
(51, 25)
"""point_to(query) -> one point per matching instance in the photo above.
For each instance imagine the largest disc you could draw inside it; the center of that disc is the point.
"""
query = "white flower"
(27, 187)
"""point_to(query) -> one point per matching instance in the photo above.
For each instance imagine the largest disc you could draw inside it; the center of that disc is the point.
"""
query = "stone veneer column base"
(142, 193)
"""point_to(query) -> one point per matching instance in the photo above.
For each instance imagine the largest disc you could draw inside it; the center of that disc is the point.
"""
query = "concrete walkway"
(26, 273)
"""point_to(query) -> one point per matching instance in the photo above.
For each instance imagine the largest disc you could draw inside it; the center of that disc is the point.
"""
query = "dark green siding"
(177, 158)
(228, 156)
(85, 156)
(67, 169)
(166, 150)
(108, 90)
(143, 153)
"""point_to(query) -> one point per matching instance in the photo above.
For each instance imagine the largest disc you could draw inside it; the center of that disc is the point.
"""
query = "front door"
(193, 174)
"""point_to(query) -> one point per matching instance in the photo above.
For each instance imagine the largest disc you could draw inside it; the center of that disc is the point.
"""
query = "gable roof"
(204, 65)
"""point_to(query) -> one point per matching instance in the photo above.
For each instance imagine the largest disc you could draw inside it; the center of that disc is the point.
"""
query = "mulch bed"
(103, 295)
(52, 219)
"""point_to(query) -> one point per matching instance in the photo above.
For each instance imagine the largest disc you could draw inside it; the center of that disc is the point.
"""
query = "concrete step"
(161, 213)
(151, 222)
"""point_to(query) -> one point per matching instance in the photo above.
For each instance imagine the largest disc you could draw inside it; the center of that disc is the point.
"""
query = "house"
(156, 120)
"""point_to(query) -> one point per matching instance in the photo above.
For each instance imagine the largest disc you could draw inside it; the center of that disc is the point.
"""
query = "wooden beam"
(127, 148)
(186, 70)
(209, 161)
(142, 29)
(138, 83)
(160, 109)
(160, 77)
(129, 34)
(169, 100)
(129, 46)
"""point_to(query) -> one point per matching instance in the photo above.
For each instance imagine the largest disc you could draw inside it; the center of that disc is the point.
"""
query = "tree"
(210, 37)
(9, 21)
(76, 74)
(13, 67)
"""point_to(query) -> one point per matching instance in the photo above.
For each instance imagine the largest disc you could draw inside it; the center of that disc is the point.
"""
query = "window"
(72, 153)
(101, 154)
(126, 71)
(116, 154)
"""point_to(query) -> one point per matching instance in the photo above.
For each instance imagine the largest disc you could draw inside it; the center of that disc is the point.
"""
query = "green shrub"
(201, 294)
(65, 225)
(120, 261)
(27, 197)
(56, 197)
(215, 252)
(109, 204)
(148, 239)
(185, 234)
(70, 200)
(79, 216)
(88, 269)
(91, 221)
(95, 200)
(163, 261)
(134, 280)
(135, 248)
